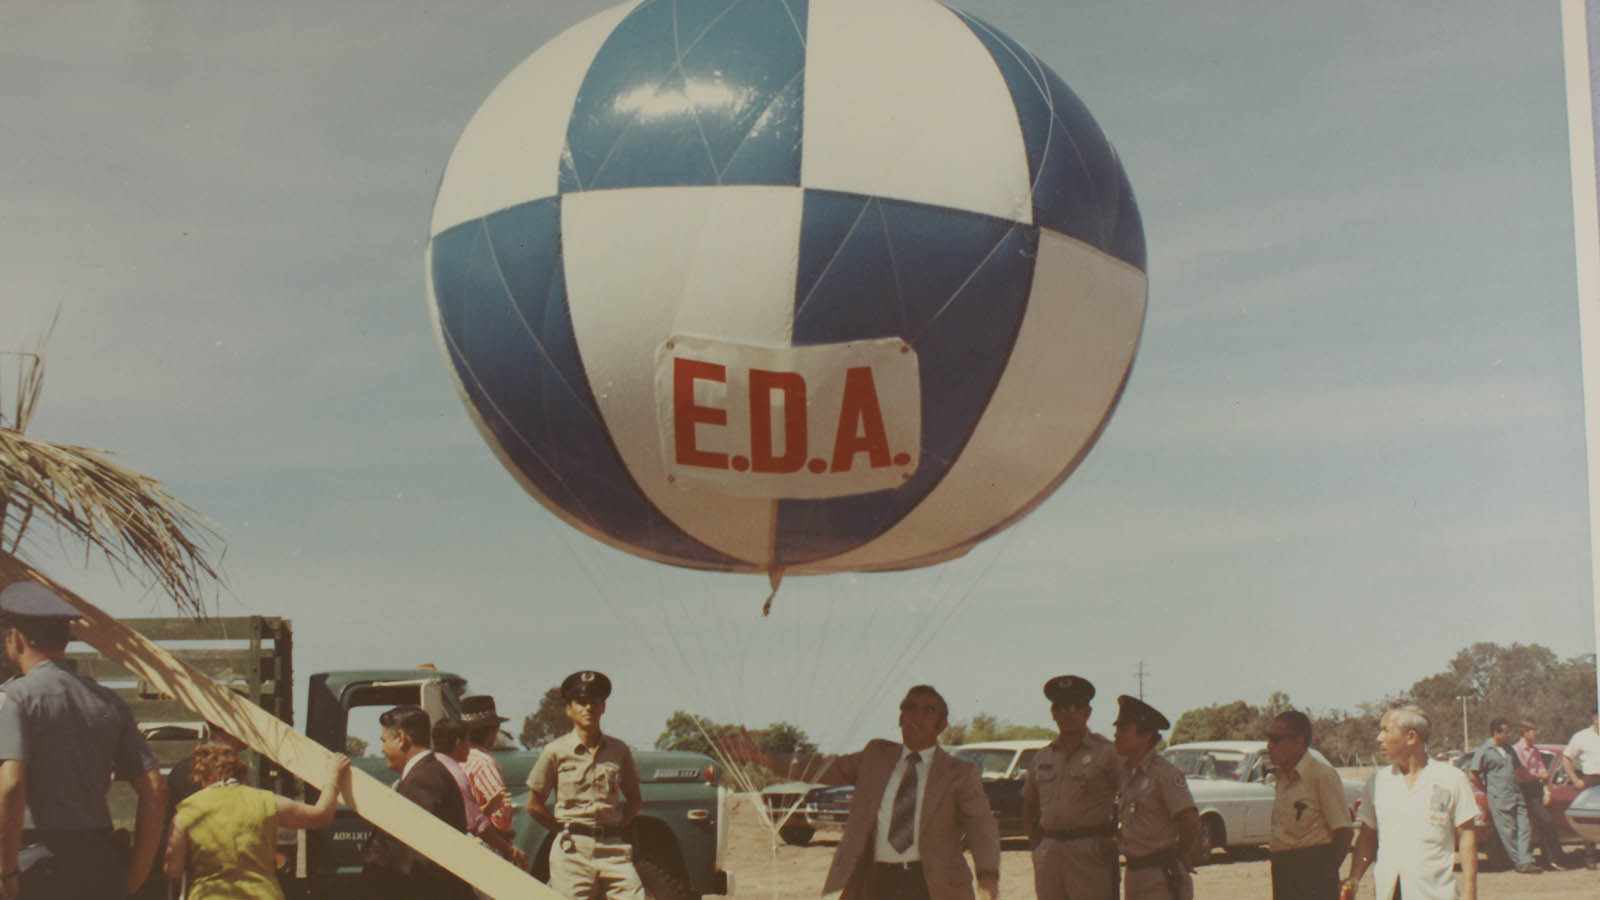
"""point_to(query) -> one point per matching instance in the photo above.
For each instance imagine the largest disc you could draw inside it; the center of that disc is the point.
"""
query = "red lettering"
(793, 387)
(860, 423)
(685, 414)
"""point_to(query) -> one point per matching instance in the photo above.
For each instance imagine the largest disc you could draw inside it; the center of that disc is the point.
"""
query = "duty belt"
(1104, 829)
(612, 833)
(1165, 860)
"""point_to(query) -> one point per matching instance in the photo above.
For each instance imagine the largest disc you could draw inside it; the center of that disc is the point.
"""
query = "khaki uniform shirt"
(1077, 789)
(590, 788)
(1153, 791)
(1308, 807)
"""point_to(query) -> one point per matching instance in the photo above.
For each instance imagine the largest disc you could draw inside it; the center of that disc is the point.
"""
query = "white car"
(1232, 786)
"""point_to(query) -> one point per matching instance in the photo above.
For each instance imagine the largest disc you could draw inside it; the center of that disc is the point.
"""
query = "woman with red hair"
(224, 836)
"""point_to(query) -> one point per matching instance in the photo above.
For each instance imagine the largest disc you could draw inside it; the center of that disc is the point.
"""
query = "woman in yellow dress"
(224, 836)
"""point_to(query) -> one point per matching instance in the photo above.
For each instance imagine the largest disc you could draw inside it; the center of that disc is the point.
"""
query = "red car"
(1562, 793)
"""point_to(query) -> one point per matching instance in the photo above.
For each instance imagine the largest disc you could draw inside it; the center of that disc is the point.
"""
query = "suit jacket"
(953, 806)
(394, 871)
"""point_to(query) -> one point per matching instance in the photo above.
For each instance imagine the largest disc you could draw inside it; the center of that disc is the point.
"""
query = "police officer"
(1069, 802)
(1157, 824)
(61, 737)
(596, 797)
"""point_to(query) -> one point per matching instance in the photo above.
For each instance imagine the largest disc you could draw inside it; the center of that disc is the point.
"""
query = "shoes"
(1530, 869)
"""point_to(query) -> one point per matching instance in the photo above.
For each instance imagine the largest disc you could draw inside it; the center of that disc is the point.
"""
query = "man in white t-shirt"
(1417, 815)
(1581, 759)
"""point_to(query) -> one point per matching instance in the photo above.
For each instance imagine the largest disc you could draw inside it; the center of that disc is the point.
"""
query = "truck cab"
(680, 835)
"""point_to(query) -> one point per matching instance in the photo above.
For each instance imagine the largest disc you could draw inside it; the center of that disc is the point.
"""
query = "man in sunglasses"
(1311, 825)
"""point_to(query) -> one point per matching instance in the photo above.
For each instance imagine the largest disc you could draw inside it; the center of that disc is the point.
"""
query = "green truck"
(680, 835)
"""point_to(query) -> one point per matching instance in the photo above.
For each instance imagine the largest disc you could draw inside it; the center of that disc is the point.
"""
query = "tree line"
(1518, 681)
(1513, 681)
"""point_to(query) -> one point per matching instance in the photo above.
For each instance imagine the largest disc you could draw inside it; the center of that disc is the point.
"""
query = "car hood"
(792, 787)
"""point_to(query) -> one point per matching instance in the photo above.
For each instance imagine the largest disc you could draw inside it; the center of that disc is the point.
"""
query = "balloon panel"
(762, 177)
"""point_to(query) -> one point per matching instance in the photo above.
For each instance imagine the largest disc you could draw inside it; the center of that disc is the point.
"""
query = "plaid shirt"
(489, 788)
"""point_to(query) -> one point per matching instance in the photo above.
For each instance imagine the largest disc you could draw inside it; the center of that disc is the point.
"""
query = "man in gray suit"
(913, 805)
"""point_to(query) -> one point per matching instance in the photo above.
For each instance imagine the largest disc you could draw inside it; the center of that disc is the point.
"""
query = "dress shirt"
(882, 852)
(1532, 759)
(477, 822)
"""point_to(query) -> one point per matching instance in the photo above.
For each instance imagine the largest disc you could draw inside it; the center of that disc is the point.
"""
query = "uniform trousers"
(72, 865)
(584, 868)
(1307, 873)
(1152, 884)
(1079, 869)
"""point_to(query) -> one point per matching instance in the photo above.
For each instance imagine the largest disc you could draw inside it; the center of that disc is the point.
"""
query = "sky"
(1351, 444)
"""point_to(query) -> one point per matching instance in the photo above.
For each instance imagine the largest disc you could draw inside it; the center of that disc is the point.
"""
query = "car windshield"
(992, 763)
(1198, 763)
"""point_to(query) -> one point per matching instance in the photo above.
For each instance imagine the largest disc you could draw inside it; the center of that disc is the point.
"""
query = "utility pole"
(1466, 741)
(1141, 679)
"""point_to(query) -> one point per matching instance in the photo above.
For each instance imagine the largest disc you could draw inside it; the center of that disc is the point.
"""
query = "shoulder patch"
(1178, 779)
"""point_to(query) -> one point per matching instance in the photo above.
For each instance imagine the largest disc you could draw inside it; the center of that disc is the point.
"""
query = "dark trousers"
(72, 865)
(1310, 873)
(893, 881)
(1544, 827)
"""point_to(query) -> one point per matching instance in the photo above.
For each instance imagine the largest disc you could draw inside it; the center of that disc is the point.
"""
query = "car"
(1233, 791)
(801, 808)
(1562, 793)
(1004, 766)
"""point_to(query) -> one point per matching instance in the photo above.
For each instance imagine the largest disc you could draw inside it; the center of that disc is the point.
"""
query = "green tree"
(354, 746)
(985, 727)
(547, 723)
(1226, 721)
(691, 733)
(782, 737)
(1516, 681)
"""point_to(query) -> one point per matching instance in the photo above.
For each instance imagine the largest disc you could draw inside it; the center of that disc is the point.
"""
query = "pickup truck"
(681, 834)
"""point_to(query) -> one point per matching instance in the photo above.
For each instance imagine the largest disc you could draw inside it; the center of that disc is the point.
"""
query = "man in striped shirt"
(483, 773)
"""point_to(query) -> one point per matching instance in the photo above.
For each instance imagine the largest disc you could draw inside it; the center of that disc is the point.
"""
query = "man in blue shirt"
(1495, 770)
(61, 739)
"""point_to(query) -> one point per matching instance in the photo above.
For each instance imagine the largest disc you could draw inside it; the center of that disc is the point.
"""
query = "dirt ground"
(764, 867)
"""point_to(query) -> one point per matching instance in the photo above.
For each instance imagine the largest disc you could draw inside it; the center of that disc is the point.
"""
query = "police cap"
(1069, 690)
(585, 685)
(1132, 710)
(31, 600)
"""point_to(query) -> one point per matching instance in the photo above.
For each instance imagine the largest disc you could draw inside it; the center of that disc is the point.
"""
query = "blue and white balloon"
(787, 285)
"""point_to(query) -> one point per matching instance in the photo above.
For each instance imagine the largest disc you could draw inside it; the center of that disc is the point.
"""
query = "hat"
(479, 709)
(31, 600)
(1137, 712)
(586, 685)
(1069, 690)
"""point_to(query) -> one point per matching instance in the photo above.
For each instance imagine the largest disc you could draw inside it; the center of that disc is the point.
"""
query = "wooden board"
(266, 734)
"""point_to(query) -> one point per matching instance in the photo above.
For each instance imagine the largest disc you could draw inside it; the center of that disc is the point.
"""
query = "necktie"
(903, 821)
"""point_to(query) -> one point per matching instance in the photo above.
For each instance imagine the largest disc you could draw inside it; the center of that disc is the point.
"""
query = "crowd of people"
(1512, 774)
(1103, 815)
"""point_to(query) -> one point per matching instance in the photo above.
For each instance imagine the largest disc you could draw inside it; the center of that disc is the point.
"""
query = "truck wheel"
(661, 883)
(798, 835)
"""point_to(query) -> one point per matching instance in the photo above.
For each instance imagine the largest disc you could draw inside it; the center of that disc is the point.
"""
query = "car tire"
(798, 835)
(1213, 836)
(661, 883)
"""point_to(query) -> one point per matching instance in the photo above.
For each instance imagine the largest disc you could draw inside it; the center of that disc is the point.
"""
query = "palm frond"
(130, 518)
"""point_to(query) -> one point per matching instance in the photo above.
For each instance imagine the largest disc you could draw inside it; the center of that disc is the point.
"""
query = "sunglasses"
(1275, 738)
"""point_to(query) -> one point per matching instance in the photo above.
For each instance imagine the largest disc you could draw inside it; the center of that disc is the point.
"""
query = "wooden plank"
(222, 628)
(371, 799)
